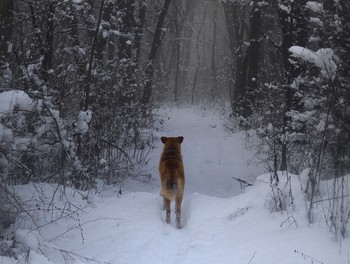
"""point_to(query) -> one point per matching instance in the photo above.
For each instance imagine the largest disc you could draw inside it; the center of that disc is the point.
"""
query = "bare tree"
(213, 69)
(238, 30)
(147, 93)
(194, 84)
(6, 20)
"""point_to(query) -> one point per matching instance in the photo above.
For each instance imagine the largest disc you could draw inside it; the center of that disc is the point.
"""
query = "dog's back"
(171, 168)
(172, 175)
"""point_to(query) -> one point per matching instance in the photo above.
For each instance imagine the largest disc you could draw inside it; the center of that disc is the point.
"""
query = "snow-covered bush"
(325, 114)
(15, 106)
(35, 146)
(33, 138)
(302, 119)
(323, 118)
(38, 144)
(85, 85)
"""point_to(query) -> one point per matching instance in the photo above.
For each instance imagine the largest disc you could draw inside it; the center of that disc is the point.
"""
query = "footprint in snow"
(238, 213)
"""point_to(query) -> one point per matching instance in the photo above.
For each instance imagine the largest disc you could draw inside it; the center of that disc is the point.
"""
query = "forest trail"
(222, 224)
(212, 155)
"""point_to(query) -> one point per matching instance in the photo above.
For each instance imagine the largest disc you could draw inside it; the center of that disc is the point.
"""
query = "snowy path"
(212, 156)
(218, 226)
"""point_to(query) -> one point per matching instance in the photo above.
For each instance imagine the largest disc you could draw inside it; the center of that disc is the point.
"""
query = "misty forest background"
(96, 69)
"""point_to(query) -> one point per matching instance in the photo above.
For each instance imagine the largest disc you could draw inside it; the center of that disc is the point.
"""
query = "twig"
(118, 148)
(32, 15)
(243, 183)
(313, 260)
(293, 222)
(333, 198)
(15, 200)
(70, 254)
(79, 226)
(250, 261)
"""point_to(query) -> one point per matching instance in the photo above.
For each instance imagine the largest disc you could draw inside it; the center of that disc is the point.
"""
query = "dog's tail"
(169, 191)
(171, 185)
(169, 188)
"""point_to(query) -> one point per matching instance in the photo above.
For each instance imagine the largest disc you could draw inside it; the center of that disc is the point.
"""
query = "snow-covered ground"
(222, 224)
(212, 156)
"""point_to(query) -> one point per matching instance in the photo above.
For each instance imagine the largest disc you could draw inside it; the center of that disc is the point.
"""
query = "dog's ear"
(163, 139)
(180, 139)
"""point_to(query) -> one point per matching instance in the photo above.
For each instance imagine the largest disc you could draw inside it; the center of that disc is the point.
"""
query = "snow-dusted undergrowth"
(222, 224)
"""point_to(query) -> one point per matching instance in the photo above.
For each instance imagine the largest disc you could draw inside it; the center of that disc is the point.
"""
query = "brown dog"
(172, 176)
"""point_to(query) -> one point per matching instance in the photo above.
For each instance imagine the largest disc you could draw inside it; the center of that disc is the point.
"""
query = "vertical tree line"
(260, 37)
(289, 78)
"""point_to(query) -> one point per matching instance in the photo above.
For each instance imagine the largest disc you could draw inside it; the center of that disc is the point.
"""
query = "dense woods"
(79, 80)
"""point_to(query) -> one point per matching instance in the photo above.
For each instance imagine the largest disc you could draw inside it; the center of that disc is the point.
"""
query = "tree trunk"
(247, 66)
(88, 81)
(186, 42)
(251, 83)
(126, 56)
(177, 62)
(48, 46)
(213, 56)
(6, 19)
(139, 30)
(102, 40)
(198, 56)
(294, 32)
(147, 93)
(237, 30)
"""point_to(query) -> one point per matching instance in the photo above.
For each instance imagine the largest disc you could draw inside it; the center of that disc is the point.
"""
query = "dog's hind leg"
(167, 210)
(164, 204)
(178, 210)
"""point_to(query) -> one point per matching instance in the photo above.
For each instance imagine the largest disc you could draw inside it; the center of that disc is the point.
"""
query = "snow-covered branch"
(322, 59)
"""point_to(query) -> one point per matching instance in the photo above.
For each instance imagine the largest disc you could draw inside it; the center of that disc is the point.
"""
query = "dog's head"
(172, 142)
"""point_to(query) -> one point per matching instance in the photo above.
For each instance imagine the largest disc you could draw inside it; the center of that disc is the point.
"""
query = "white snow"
(29, 239)
(212, 156)
(284, 8)
(104, 34)
(9, 47)
(316, 21)
(82, 124)
(314, 6)
(222, 224)
(5, 135)
(9, 100)
(323, 59)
